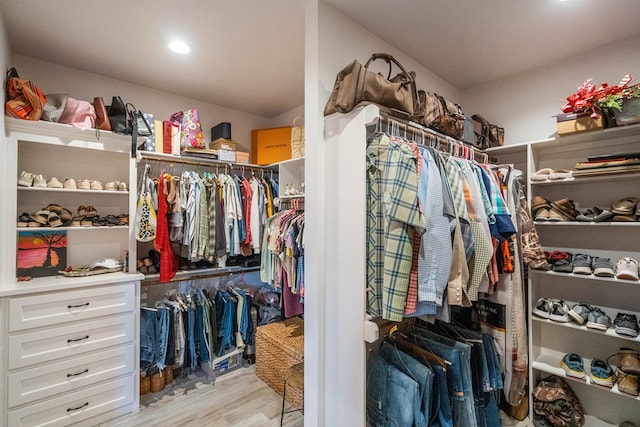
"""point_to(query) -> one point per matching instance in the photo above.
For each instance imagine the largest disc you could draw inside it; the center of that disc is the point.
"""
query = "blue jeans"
(390, 394)
(493, 362)
(191, 347)
(148, 337)
(226, 307)
(419, 373)
(201, 349)
(163, 337)
(441, 404)
(458, 376)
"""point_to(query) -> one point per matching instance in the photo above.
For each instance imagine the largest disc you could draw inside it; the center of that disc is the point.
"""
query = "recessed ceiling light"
(179, 47)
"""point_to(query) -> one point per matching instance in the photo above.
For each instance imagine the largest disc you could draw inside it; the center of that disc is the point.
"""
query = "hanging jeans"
(458, 379)
(391, 395)
(419, 373)
(201, 348)
(148, 337)
(440, 405)
(226, 309)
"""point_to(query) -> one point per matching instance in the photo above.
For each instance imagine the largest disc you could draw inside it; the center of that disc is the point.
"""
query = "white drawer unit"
(59, 307)
(46, 345)
(69, 375)
(75, 407)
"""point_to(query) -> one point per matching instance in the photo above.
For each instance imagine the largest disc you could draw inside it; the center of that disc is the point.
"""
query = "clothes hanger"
(425, 356)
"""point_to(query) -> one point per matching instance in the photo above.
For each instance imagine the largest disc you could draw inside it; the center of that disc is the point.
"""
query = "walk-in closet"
(380, 272)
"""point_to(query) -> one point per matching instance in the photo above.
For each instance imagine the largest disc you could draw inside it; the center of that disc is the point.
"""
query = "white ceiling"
(249, 54)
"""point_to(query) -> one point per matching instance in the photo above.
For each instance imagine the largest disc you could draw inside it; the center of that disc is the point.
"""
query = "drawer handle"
(86, 304)
(79, 407)
(86, 337)
(79, 373)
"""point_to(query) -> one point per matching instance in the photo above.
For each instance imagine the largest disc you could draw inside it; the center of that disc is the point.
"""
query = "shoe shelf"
(549, 362)
(584, 277)
(72, 190)
(80, 228)
(610, 332)
(589, 179)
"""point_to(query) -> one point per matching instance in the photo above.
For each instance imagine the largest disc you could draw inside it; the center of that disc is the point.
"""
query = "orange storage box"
(270, 145)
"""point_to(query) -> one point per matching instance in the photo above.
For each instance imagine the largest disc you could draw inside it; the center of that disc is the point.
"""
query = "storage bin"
(630, 113)
(279, 346)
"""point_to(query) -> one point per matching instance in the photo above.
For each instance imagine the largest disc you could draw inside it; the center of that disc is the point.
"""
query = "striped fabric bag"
(25, 101)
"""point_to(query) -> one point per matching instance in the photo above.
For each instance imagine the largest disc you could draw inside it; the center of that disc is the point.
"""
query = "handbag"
(78, 113)
(136, 117)
(487, 135)
(146, 221)
(356, 85)
(117, 113)
(191, 135)
(102, 117)
(56, 103)
(440, 114)
(25, 100)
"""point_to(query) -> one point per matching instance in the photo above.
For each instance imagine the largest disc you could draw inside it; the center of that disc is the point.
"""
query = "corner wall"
(525, 105)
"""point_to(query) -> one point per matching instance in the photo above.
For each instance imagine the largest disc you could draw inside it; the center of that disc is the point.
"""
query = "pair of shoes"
(626, 324)
(540, 208)
(627, 268)
(54, 183)
(45, 217)
(586, 264)
(628, 361)
(548, 308)
(548, 174)
(27, 179)
(69, 183)
(626, 209)
(583, 313)
(595, 214)
(116, 186)
(600, 372)
(87, 211)
(561, 262)
(90, 184)
(64, 213)
(563, 210)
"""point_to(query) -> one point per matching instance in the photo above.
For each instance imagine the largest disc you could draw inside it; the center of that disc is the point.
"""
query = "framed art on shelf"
(41, 253)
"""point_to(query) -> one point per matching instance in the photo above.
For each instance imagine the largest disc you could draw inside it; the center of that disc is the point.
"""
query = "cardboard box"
(270, 145)
(577, 122)
(223, 144)
(226, 155)
(242, 157)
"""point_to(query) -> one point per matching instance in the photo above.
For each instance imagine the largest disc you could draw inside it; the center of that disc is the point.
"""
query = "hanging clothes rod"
(451, 143)
(169, 158)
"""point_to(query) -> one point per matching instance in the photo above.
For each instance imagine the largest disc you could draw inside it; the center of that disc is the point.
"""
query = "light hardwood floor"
(237, 399)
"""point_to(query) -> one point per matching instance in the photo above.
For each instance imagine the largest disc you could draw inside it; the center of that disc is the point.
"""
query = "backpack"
(555, 403)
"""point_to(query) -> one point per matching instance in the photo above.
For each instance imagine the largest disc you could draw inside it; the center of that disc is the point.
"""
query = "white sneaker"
(39, 181)
(26, 179)
(70, 183)
(627, 268)
(54, 183)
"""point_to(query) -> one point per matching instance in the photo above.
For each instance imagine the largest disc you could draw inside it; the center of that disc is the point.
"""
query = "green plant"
(615, 100)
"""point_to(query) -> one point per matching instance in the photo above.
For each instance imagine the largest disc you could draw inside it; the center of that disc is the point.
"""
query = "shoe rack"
(549, 340)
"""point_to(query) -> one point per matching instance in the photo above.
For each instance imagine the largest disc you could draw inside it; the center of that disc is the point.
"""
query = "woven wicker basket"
(167, 372)
(145, 385)
(157, 382)
(279, 346)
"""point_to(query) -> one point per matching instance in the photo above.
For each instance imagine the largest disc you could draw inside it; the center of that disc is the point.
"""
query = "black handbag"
(117, 113)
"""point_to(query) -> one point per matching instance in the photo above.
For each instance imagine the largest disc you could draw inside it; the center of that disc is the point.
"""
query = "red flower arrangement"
(588, 96)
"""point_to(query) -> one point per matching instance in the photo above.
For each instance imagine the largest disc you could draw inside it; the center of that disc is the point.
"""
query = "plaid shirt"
(392, 218)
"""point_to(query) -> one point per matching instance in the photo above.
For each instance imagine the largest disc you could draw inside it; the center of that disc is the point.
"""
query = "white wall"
(525, 104)
(341, 41)
(54, 78)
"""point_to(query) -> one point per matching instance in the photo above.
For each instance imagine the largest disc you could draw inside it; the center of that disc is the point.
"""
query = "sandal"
(54, 208)
(42, 216)
(65, 215)
(626, 206)
(539, 203)
(542, 214)
(87, 211)
(54, 220)
(566, 208)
